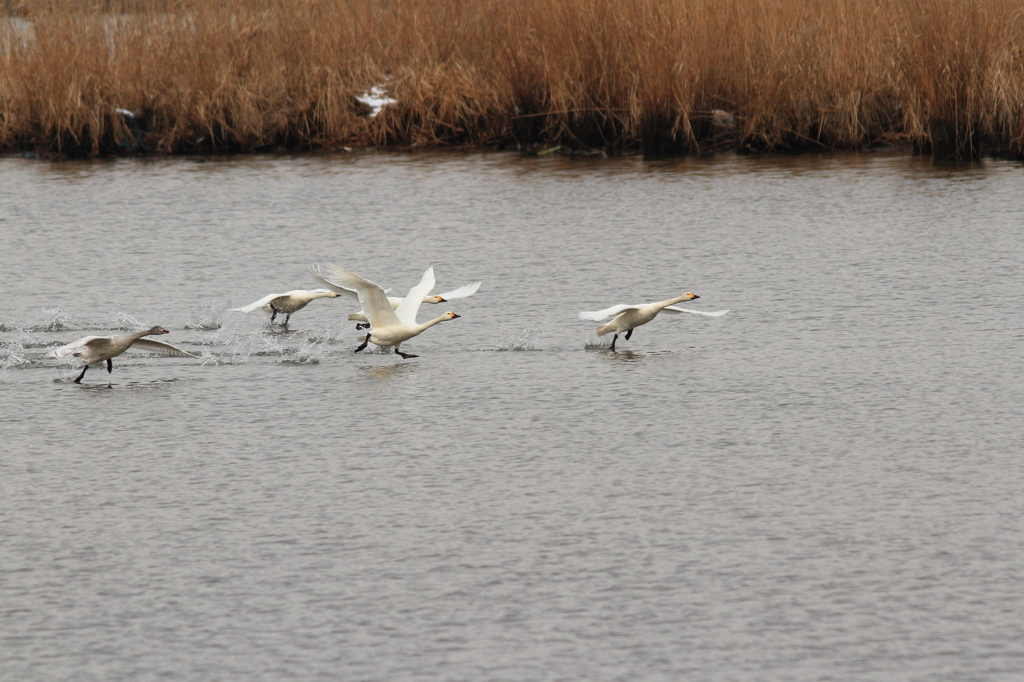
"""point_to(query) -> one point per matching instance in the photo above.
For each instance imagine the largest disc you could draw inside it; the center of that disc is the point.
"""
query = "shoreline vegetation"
(662, 77)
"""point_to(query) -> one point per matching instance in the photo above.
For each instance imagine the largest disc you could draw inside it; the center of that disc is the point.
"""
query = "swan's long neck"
(145, 332)
(431, 323)
(309, 296)
(661, 305)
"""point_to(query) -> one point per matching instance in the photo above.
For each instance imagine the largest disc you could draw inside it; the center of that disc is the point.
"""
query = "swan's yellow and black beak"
(693, 296)
(453, 315)
(441, 300)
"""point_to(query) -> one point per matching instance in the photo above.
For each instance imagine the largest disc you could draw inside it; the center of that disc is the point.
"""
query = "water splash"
(238, 350)
(234, 356)
(130, 323)
(233, 350)
(307, 353)
(526, 339)
(206, 317)
(335, 334)
(12, 354)
(67, 371)
(54, 320)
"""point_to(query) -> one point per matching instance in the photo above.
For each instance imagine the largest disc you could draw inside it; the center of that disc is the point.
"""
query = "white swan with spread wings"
(389, 326)
(626, 317)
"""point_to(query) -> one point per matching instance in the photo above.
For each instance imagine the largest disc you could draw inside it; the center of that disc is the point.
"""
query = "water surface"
(822, 484)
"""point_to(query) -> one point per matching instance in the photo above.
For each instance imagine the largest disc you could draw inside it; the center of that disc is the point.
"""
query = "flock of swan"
(391, 321)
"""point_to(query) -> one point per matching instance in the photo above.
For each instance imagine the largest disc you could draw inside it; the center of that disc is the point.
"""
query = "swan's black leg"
(274, 315)
(629, 334)
(79, 379)
(363, 344)
(614, 339)
(405, 356)
(286, 318)
(110, 366)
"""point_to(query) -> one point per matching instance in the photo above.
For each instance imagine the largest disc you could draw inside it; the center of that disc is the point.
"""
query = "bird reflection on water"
(387, 372)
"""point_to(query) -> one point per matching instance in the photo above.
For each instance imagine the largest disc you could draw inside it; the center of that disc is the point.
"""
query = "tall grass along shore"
(664, 76)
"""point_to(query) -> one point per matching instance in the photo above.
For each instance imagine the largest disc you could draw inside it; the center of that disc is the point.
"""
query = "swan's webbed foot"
(629, 334)
(110, 366)
(362, 325)
(363, 344)
(614, 339)
(405, 356)
(79, 379)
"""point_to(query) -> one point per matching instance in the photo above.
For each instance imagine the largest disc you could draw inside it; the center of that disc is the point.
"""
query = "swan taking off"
(325, 279)
(95, 349)
(389, 326)
(287, 303)
(626, 318)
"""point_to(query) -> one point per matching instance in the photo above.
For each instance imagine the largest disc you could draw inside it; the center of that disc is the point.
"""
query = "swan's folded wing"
(599, 315)
(315, 272)
(407, 309)
(461, 292)
(371, 297)
(165, 348)
(258, 304)
(672, 310)
(75, 346)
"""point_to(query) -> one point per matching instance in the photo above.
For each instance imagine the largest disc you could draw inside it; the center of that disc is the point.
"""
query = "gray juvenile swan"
(287, 303)
(627, 317)
(95, 349)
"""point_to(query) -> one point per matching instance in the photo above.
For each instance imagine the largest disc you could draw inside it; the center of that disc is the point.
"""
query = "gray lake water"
(823, 484)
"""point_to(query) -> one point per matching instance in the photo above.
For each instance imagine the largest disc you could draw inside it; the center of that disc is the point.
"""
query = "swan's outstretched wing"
(315, 272)
(76, 346)
(407, 309)
(672, 310)
(259, 304)
(461, 292)
(161, 347)
(371, 297)
(599, 315)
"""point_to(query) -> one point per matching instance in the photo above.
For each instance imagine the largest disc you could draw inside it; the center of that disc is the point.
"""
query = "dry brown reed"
(942, 76)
